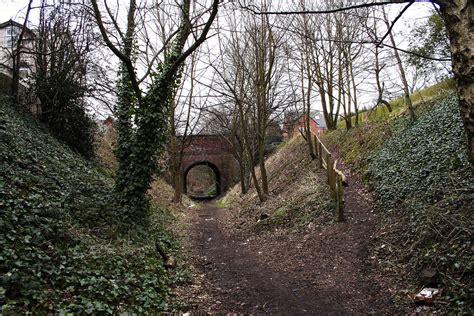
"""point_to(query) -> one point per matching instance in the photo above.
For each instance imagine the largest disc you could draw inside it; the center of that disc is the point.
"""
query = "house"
(106, 125)
(294, 123)
(9, 34)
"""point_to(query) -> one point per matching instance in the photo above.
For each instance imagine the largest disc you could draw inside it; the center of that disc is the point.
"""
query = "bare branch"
(393, 23)
(357, 6)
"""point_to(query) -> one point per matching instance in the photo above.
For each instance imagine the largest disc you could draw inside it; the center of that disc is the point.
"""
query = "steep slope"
(420, 174)
(64, 245)
(298, 193)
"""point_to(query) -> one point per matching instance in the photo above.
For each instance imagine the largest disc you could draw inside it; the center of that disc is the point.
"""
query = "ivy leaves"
(424, 183)
(66, 248)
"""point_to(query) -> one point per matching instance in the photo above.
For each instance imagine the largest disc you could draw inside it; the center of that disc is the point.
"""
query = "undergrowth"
(423, 180)
(421, 176)
(298, 195)
(65, 246)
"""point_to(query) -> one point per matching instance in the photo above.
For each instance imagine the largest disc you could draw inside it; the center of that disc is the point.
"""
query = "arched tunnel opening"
(202, 180)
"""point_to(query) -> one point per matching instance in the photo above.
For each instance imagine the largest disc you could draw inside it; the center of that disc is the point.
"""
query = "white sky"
(14, 9)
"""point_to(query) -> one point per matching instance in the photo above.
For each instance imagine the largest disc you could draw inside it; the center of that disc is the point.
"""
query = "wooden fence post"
(328, 163)
(340, 199)
(316, 146)
(335, 177)
(331, 176)
(320, 154)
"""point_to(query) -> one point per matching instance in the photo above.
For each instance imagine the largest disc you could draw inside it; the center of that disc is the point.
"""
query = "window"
(12, 33)
(24, 72)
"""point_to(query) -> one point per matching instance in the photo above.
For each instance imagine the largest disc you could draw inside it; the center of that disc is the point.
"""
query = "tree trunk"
(243, 188)
(175, 164)
(354, 93)
(263, 173)
(248, 147)
(406, 90)
(177, 187)
(307, 112)
(349, 96)
(457, 15)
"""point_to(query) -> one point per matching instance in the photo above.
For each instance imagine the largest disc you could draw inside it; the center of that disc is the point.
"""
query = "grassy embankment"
(420, 173)
(298, 195)
(65, 247)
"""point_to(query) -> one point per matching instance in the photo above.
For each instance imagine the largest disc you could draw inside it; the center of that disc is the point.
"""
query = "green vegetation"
(220, 203)
(211, 191)
(62, 60)
(65, 244)
(421, 176)
(378, 126)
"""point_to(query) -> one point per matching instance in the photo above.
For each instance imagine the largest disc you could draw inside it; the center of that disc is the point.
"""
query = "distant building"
(106, 125)
(9, 35)
(294, 124)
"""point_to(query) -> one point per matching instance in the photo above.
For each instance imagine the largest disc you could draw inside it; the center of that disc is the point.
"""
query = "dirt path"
(241, 283)
(320, 271)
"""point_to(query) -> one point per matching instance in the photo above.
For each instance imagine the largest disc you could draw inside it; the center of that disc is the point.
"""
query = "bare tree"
(142, 112)
(458, 20)
(182, 126)
(251, 82)
(307, 76)
(325, 61)
(62, 55)
(403, 77)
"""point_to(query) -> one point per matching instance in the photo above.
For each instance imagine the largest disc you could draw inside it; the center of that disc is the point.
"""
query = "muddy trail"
(326, 272)
(240, 283)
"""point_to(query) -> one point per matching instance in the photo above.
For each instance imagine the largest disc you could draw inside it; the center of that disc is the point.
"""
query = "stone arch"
(209, 164)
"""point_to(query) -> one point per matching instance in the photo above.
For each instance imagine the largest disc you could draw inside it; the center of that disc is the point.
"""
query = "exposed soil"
(317, 270)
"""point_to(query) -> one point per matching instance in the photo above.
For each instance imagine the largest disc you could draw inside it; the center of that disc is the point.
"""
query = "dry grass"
(298, 195)
(105, 142)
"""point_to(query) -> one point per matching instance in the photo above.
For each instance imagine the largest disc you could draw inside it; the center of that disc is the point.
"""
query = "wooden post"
(316, 146)
(331, 177)
(335, 177)
(329, 167)
(340, 199)
(320, 154)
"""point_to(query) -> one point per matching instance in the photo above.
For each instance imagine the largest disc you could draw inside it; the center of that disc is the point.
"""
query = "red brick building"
(294, 122)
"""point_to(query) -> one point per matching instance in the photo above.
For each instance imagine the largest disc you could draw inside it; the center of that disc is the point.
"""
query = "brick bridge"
(215, 152)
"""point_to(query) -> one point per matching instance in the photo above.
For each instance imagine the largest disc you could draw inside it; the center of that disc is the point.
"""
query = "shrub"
(63, 110)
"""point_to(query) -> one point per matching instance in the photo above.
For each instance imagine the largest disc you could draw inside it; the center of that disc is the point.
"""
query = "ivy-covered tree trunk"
(143, 118)
(138, 147)
(458, 18)
(123, 113)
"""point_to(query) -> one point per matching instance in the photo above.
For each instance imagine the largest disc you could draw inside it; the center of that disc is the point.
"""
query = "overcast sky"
(12, 9)
(15, 9)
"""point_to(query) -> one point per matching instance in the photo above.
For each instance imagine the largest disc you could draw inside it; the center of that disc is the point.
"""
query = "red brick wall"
(217, 151)
(312, 125)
